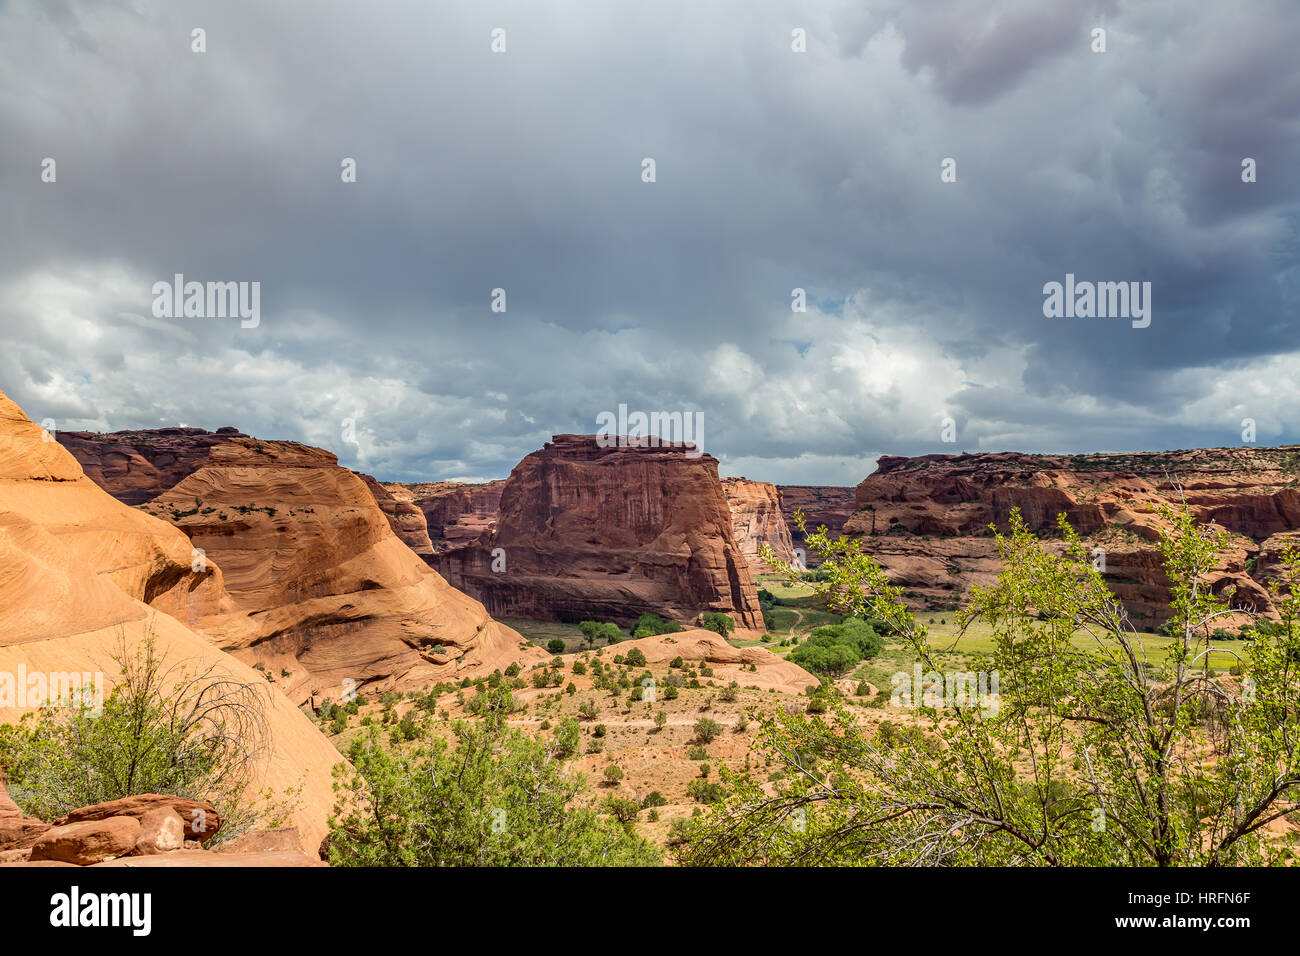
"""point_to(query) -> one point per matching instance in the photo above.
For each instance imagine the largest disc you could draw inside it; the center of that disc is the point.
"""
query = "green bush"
(596, 631)
(164, 728)
(494, 798)
(719, 623)
(707, 730)
(651, 625)
(833, 649)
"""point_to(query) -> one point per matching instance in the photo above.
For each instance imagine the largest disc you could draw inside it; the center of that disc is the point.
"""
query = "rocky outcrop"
(83, 844)
(84, 578)
(17, 830)
(927, 519)
(827, 505)
(455, 513)
(748, 666)
(327, 598)
(200, 819)
(135, 466)
(756, 520)
(406, 520)
(607, 533)
(152, 833)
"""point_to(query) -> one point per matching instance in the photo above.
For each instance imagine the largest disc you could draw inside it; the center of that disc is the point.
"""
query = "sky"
(775, 169)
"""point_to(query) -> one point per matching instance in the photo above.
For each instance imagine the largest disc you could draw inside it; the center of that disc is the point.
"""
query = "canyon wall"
(328, 595)
(585, 532)
(135, 466)
(328, 585)
(757, 519)
(455, 513)
(827, 505)
(927, 519)
(84, 579)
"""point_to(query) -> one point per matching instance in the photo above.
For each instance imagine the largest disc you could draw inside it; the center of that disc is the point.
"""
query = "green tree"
(707, 730)
(555, 645)
(652, 625)
(594, 631)
(164, 728)
(1093, 752)
(719, 622)
(495, 798)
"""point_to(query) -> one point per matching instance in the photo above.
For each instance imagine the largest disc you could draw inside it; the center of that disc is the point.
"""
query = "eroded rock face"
(455, 513)
(161, 831)
(327, 597)
(756, 519)
(200, 818)
(406, 520)
(587, 532)
(84, 844)
(84, 577)
(135, 466)
(17, 831)
(927, 519)
(827, 505)
(748, 666)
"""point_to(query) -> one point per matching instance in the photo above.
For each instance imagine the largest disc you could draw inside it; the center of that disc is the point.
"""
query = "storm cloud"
(522, 170)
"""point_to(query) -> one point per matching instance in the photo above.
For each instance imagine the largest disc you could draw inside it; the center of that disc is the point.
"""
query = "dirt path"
(797, 623)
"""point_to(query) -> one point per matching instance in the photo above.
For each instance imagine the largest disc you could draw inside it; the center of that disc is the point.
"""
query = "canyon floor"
(659, 763)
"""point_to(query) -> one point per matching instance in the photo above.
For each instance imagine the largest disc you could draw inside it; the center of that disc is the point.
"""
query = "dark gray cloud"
(774, 170)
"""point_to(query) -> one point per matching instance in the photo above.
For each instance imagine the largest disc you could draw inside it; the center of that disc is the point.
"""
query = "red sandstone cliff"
(609, 533)
(135, 466)
(927, 518)
(323, 587)
(326, 590)
(84, 577)
(406, 520)
(455, 513)
(827, 505)
(756, 519)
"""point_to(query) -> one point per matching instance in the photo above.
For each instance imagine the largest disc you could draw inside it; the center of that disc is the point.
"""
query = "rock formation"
(83, 576)
(756, 519)
(827, 505)
(586, 532)
(135, 466)
(326, 597)
(728, 663)
(927, 518)
(406, 520)
(455, 512)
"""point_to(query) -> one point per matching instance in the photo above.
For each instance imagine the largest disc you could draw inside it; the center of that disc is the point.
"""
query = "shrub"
(595, 631)
(433, 801)
(555, 645)
(719, 623)
(707, 730)
(704, 791)
(833, 649)
(651, 625)
(567, 736)
(163, 729)
(613, 774)
(624, 811)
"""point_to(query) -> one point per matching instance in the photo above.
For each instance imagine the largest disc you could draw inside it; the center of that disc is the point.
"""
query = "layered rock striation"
(608, 533)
